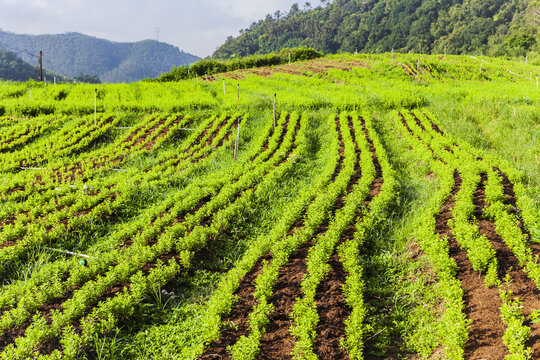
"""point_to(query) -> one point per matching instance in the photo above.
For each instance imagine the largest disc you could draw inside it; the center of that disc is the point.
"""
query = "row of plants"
(452, 324)
(185, 245)
(318, 213)
(183, 201)
(471, 166)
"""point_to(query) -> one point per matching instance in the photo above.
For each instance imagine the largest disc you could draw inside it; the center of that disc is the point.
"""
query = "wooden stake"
(392, 55)
(445, 51)
(418, 68)
(224, 92)
(289, 58)
(236, 142)
(238, 92)
(55, 80)
(95, 107)
(275, 122)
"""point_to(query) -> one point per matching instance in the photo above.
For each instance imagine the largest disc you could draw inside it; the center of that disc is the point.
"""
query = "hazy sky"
(196, 26)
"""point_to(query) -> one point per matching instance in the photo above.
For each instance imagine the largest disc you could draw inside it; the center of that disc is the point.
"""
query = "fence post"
(238, 92)
(275, 122)
(236, 142)
(95, 107)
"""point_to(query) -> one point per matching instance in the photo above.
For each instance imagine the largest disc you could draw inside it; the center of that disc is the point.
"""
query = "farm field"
(389, 210)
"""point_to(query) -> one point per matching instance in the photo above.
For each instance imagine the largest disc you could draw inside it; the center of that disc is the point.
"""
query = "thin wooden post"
(275, 122)
(224, 91)
(236, 142)
(392, 55)
(445, 51)
(55, 80)
(40, 65)
(45, 82)
(289, 58)
(418, 68)
(95, 107)
(238, 92)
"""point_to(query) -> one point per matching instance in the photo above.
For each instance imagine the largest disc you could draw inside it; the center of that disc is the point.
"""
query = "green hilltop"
(73, 54)
(494, 27)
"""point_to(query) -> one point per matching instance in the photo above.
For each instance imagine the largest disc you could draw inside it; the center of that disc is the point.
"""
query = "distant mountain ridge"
(495, 27)
(72, 54)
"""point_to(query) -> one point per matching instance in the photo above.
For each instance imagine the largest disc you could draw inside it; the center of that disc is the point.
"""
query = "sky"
(195, 26)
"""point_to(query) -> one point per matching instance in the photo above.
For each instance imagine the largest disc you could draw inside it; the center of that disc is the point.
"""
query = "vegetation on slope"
(210, 66)
(361, 206)
(495, 27)
(72, 54)
(15, 69)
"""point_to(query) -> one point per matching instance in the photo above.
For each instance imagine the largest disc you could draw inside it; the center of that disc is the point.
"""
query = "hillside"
(352, 206)
(73, 54)
(14, 68)
(420, 26)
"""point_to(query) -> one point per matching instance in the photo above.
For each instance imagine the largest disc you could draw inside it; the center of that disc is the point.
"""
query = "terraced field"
(389, 210)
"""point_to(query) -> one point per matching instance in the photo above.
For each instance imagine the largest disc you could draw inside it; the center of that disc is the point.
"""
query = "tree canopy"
(495, 27)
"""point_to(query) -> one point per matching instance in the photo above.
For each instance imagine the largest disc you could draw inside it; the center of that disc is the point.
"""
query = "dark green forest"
(74, 54)
(493, 27)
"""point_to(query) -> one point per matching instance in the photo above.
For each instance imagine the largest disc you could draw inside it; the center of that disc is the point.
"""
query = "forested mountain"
(496, 27)
(73, 54)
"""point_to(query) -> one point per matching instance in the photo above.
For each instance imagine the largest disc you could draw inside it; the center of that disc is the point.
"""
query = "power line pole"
(40, 65)
(158, 30)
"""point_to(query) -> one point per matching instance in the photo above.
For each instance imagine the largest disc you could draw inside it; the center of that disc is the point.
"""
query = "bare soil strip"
(482, 303)
(333, 311)
(521, 285)
(277, 342)
(236, 323)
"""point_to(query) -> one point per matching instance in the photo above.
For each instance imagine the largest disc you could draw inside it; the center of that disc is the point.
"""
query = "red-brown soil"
(482, 303)
(236, 323)
(333, 310)
(278, 342)
(520, 284)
